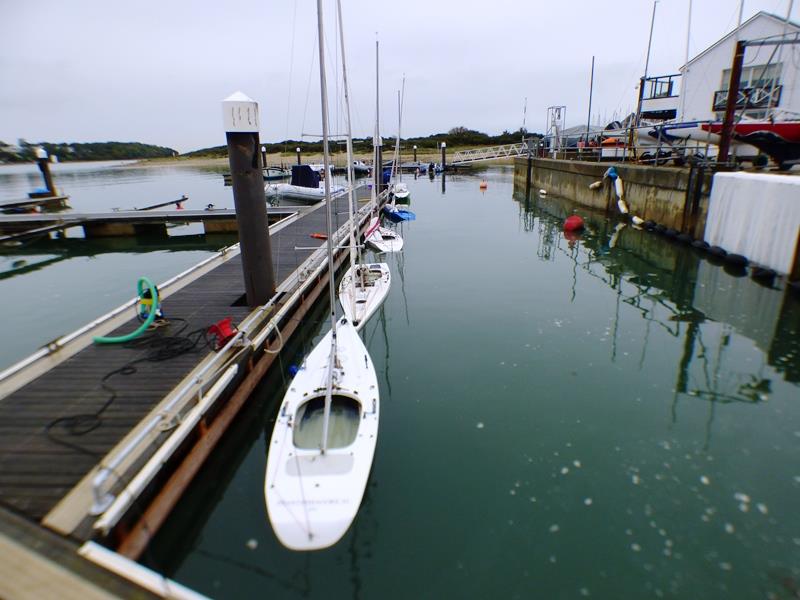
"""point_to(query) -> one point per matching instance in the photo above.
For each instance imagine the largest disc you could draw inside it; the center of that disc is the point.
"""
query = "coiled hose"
(143, 284)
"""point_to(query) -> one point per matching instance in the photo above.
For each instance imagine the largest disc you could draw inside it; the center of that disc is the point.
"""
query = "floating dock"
(99, 441)
(129, 222)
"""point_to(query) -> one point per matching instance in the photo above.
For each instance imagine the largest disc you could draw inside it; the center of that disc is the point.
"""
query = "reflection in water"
(687, 297)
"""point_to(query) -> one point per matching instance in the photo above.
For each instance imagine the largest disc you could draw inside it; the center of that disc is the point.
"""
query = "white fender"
(596, 185)
(618, 188)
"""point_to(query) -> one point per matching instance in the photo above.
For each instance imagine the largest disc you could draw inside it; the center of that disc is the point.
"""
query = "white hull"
(300, 193)
(362, 290)
(313, 497)
(400, 191)
(383, 239)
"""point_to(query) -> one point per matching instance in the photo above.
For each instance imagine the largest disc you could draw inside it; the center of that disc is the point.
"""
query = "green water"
(611, 417)
(50, 288)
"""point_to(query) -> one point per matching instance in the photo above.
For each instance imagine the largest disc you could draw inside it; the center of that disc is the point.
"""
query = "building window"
(755, 76)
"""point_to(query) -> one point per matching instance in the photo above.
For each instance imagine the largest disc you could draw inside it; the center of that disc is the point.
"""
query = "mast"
(646, 65)
(686, 64)
(350, 173)
(377, 168)
(399, 124)
(397, 146)
(326, 161)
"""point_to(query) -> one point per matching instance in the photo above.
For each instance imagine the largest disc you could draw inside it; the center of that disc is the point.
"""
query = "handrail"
(128, 495)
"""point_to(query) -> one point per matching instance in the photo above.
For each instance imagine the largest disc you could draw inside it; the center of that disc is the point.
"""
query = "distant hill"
(458, 136)
(72, 151)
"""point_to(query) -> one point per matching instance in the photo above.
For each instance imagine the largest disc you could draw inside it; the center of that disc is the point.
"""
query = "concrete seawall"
(676, 198)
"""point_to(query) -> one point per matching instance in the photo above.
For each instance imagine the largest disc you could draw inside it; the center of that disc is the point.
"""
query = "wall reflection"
(672, 287)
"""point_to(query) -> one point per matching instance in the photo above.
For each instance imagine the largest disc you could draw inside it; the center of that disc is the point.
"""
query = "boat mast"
(686, 65)
(646, 65)
(400, 98)
(377, 166)
(326, 161)
(350, 171)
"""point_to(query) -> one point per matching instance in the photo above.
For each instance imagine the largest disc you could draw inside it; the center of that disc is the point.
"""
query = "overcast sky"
(156, 71)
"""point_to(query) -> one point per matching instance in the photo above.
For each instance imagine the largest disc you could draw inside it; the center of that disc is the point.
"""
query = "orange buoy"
(319, 236)
(484, 185)
(573, 223)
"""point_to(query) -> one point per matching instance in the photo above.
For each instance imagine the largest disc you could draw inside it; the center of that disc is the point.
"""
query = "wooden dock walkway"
(57, 426)
(127, 223)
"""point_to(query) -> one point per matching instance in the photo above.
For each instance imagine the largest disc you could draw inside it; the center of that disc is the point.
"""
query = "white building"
(770, 75)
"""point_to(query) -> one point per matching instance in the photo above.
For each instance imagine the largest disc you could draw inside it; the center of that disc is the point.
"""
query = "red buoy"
(573, 223)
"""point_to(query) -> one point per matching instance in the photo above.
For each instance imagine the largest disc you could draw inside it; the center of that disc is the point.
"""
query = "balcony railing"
(750, 98)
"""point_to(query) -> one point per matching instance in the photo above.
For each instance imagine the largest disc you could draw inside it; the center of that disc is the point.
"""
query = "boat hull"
(362, 290)
(299, 193)
(382, 239)
(312, 497)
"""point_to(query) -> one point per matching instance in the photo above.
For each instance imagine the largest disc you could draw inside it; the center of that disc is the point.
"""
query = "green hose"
(140, 288)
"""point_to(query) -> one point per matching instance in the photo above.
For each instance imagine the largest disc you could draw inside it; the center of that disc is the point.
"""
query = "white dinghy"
(323, 443)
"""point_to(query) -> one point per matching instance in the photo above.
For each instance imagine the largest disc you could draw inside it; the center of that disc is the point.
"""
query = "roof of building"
(758, 15)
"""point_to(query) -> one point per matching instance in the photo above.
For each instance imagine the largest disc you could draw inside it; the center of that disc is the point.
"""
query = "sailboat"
(399, 190)
(381, 238)
(364, 287)
(323, 442)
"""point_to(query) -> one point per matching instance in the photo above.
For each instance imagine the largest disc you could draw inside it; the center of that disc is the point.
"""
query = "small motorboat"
(304, 187)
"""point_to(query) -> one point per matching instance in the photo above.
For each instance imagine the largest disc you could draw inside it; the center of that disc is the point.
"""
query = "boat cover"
(304, 176)
(756, 215)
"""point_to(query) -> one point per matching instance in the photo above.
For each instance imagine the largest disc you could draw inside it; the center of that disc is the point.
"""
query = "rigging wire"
(291, 71)
(308, 88)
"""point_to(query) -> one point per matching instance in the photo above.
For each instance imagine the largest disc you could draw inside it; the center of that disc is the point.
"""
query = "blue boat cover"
(305, 176)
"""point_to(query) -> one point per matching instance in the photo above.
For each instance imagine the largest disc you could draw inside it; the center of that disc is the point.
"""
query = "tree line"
(25, 151)
(457, 136)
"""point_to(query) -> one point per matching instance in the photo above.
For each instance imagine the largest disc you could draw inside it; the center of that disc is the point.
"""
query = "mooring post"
(379, 167)
(529, 146)
(240, 117)
(444, 157)
(44, 166)
(415, 153)
(299, 162)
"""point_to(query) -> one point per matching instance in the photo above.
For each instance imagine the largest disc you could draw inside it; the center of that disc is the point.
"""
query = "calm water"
(49, 289)
(610, 416)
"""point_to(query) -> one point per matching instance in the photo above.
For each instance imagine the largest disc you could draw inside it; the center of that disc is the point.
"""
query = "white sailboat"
(323, 443)
(400, 191)
(380, 238)
(364, 287)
